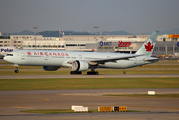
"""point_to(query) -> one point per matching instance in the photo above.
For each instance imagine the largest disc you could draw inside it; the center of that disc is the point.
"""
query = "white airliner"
(52, 60)
(5, 50)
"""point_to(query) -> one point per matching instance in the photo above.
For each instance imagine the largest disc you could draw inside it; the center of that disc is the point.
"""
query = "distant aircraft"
(82, 61)
(5, 50)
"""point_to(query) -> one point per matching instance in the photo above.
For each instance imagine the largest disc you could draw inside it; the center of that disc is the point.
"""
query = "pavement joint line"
(22, 107)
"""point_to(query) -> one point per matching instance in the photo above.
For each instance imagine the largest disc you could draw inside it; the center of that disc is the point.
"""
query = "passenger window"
(9, 54)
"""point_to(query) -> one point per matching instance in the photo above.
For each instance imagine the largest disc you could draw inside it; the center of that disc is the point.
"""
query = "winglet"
(148, 46)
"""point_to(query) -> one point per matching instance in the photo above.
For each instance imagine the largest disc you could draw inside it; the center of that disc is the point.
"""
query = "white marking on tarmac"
(100, 77)
(164, 76)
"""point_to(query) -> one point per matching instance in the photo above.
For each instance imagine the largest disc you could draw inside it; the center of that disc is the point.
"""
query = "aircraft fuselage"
(60, 58)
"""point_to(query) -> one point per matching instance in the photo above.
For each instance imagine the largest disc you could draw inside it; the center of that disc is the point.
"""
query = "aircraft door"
(80, 57)
(135, 60)
(46, 57)
(22, 56)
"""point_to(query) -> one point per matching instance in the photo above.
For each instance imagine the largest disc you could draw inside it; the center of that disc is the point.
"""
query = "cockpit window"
(9, 54)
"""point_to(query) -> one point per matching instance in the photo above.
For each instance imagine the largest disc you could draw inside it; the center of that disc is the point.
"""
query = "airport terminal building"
(167, 44)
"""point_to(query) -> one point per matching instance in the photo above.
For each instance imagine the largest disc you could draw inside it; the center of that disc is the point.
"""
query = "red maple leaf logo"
(149, 47)
(29, 53)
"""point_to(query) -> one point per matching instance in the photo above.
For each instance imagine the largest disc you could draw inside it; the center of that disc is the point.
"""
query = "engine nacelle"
(79, 65)
(50, 68)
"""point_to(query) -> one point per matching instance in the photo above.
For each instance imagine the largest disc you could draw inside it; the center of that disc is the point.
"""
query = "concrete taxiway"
(15, 101)
(89, 76)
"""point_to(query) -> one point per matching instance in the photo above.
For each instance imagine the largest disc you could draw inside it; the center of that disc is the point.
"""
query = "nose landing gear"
(16, 71)
(124, 72)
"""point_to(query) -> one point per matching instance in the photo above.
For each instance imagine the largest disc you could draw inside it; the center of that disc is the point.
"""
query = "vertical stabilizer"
(148, 46)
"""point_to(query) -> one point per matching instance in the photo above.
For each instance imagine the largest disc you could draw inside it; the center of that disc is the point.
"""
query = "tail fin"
(148, 46)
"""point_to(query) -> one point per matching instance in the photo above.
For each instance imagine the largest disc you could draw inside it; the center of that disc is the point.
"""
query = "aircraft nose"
(5, 58)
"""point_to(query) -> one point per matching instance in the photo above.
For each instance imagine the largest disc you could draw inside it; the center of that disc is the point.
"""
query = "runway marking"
(100, 77)
(42, 99)
(144, 92)
(174, 110)
(122, 119)
(22, 107)
(38, 99)
(164, 76)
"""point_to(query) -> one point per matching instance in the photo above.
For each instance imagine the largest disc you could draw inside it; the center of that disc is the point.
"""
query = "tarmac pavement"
(12, 102)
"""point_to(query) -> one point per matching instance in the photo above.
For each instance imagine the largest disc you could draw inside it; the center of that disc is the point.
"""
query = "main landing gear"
(92, 73)
(88, 73)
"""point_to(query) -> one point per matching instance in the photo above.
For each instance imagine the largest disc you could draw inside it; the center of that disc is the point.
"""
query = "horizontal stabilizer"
(151, 59)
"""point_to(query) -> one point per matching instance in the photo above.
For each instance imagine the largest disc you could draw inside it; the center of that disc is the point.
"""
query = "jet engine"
(50, 68)
(79, 65)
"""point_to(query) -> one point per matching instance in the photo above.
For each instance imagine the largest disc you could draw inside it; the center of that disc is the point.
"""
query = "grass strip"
(146, 95)
(49, 111)
(58, 111)
(87, 83)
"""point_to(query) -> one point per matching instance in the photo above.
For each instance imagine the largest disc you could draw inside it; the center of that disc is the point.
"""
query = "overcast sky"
(133, 16)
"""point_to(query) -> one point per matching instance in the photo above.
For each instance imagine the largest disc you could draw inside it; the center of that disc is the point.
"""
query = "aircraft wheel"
(92, 73)
(16, 71)
(75, 72)
(71, 72)
(124, 72)
(88, 73)
(78, 72)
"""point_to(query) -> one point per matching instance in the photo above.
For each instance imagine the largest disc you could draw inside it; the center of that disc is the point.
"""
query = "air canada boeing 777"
(52, 60)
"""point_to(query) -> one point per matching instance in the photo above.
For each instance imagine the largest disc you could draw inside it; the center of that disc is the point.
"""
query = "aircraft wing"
(103, 60)
(113, 59)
